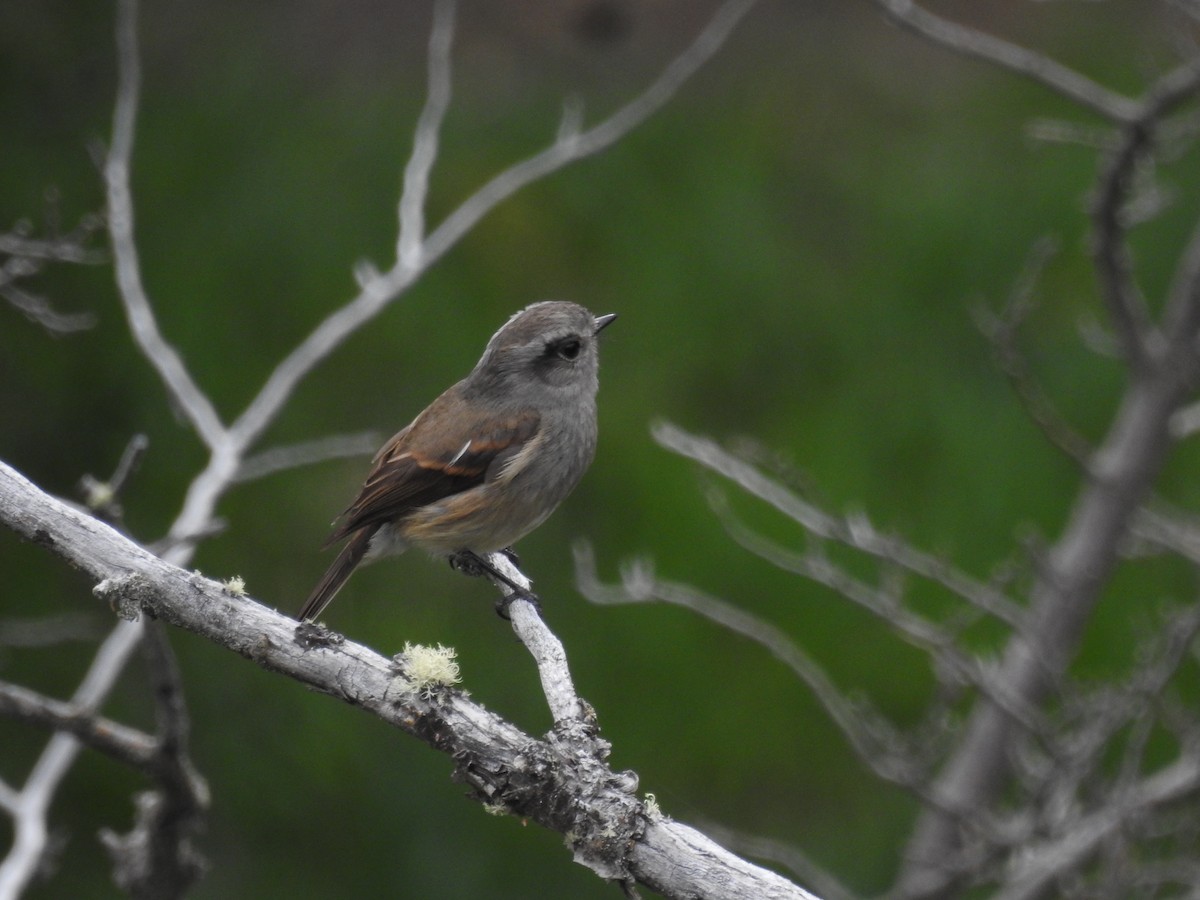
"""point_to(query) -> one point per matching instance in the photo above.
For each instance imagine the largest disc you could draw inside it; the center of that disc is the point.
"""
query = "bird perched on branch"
(487, 461)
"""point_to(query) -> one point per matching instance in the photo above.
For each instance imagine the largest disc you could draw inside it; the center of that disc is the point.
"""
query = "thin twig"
(307, 453)
(1110, 252)
(1001, 330)
(1039, 864)
(157, 858)
(192, 401)
(856, 532)
(30, 807)
(545, 647)
(639, 584)
(104, 497)
(795, 860)
(1169, 529)
(1013, 57)
(39, 311)
(951, 663)
(378, 290)
(28, 256)
(1111, 255)
(425, 142)
(126, 745)
(571, 146)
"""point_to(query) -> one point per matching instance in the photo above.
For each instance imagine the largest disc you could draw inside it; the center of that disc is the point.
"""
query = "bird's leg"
(471, 563)
(512, 556)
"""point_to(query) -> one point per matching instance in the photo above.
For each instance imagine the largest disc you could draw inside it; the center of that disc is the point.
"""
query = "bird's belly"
(477, 520)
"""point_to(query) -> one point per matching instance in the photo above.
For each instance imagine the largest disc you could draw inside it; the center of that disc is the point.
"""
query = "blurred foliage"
(794, 247)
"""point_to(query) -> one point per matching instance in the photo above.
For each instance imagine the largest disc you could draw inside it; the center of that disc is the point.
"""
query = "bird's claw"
(507, 600)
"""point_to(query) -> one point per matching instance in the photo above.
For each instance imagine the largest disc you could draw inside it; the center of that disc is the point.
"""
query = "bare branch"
(126, 745)
(39, 311)
(28, 256)
(573, 145)
(856, 532)
(546, 649)
(1186, 421)
(29, 807)
(47, 631)
(425, 142)
(873, 742)
(307, 453)
(782, 854)
(611, 831)
(952, 665)
(1109, 250)
(68, 248)
(378, 290)
(1170, 530)
(158, 859)
(1014, 58)
(1002, 329)
(103, 497)
(1039, 864)
(1062, 599)
(192, 402)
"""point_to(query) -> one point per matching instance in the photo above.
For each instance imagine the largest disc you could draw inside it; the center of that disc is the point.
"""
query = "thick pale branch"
(780, 853)
(610, 830)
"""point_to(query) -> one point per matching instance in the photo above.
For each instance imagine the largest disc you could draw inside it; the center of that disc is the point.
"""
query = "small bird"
(486, 462)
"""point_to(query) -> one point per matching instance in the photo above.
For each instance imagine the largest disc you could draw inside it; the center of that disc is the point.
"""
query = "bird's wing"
(436, 456)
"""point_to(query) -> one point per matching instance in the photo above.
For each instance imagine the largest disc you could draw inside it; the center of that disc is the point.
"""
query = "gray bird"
(487, 461)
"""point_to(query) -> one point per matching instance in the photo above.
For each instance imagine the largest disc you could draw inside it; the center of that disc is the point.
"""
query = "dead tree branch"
(560, 781)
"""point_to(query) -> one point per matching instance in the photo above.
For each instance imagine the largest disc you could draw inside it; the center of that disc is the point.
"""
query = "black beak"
(603, 322)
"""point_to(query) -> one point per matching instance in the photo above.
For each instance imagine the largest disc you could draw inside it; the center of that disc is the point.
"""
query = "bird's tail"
(335, 576)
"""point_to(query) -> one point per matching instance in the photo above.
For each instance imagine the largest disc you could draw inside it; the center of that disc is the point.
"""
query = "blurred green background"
(794, 246)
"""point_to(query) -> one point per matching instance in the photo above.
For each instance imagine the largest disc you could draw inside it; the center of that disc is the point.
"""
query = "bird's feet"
(507, 600)
(470, 563)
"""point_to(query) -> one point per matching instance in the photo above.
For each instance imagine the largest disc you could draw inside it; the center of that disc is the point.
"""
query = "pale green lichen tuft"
(653, 810)
(429, 668)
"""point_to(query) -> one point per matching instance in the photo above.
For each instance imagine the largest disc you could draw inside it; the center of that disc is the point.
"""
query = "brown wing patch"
(425, 463)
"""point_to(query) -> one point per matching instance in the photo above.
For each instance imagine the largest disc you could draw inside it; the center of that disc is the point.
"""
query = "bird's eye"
(568, 349)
